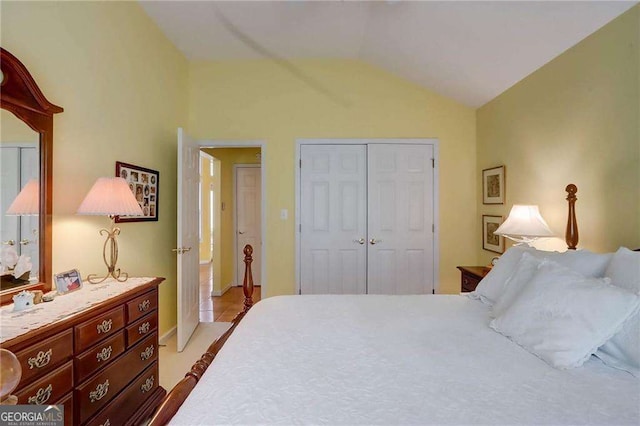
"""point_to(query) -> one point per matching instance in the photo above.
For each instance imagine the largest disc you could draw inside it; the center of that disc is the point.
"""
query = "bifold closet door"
(400, 219)
(333, 219)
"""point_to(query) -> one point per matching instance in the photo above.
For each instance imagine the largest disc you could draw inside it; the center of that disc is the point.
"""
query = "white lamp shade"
(28, 200)
(524, 221)
(110, 197)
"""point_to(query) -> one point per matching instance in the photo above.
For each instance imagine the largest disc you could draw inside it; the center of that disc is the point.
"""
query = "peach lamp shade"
(110, 197)
(27, 202)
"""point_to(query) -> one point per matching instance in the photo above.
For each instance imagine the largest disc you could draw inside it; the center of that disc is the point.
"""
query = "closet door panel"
(400, 219)
(333, 219)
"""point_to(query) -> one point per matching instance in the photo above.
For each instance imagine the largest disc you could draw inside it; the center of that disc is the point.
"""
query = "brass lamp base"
(112, 242)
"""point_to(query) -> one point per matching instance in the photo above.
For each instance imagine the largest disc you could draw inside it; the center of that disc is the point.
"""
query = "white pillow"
(525, 269)
(583, 261)
(563, 317)
(622, 351)
(492, 285)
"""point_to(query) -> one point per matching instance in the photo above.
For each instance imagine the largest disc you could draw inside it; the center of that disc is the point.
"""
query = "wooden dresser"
(100, 361)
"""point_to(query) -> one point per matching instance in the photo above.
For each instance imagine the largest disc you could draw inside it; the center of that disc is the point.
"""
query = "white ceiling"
(468, 51)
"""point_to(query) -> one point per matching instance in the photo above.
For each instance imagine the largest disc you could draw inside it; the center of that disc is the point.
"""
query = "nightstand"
(471, 276)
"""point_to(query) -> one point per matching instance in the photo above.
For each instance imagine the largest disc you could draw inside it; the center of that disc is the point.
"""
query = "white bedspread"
(395, 360)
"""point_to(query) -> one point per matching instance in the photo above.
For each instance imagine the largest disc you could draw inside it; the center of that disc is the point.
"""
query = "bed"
(424, 359)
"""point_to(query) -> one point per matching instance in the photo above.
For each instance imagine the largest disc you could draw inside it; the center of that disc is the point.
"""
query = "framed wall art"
(145, 186)
(491, 241)
(493, 185)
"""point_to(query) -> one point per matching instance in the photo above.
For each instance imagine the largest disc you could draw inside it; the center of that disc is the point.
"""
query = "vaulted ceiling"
(468, 51)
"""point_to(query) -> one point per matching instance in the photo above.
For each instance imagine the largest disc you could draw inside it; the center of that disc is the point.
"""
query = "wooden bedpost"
(247, 283)
(571, 234)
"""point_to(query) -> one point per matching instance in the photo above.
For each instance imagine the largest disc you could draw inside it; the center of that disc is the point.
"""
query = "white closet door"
(30, 225)
(400, 210)
(333, 219)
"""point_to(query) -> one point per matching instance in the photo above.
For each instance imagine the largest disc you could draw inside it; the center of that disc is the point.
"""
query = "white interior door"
(333, 219)
(187, 250)
(248, 217)
(400, 219)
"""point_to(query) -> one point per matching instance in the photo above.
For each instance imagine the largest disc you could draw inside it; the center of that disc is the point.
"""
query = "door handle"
(181, 250)
(9, 243)
(373, 241)
(360, 241)
(24, 242)
(240, 232)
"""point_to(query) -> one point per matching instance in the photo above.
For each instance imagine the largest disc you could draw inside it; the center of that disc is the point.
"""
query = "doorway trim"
(400, 141)
(212, 143)
(236, 278)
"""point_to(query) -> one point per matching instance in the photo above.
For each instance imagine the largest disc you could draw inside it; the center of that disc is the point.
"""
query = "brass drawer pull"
(147, 353)
(106, 423)
(40, 360)
(147, 385)
(41, 396)
(104, 354)
(144, 328)
(144, 305)
(101, 390)
(105, 326)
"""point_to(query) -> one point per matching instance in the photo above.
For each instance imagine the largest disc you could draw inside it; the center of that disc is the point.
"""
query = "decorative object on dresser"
(110, 197)
(145, 186)
(10, 374)
(471, 276)
(524, 225)
(490, 240)
(21, 96)
(95, 351)
(68, 281)
(493, 185)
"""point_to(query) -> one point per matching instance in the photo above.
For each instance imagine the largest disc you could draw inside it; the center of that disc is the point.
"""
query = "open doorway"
(231, 204)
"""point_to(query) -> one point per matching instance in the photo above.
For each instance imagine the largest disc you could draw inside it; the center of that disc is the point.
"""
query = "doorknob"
(240, 232)
(373, 241)
(360, 241)
(24, 242)
(9, 243)
(181, 250)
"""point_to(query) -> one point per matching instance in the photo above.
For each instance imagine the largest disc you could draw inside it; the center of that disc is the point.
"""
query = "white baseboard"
(223, 291)
(166, 336)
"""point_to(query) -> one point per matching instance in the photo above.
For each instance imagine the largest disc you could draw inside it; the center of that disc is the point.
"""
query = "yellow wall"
(206, 180)
(575, 120)
(228, 157)
(123, 87)
(249, 100)
(15, 130)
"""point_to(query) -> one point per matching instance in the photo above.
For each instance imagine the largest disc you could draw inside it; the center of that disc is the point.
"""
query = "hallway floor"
(220, 308)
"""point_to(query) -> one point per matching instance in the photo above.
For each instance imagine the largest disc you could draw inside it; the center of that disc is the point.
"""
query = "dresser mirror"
(26, 144)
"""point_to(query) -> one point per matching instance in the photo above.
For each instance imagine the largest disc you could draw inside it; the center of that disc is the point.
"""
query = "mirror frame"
(20, 95)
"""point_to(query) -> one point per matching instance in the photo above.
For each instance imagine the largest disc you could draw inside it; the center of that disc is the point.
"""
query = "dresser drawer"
(96, 392)
(469, 282)
(141, 328)
(91, 332)
(44, 356)
(98, 356)
(51, 387)
(142, 305)
(118, 411)
(67, 401)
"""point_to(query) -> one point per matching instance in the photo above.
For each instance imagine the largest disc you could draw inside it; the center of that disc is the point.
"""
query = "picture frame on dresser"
(493, 185)
(490, 241)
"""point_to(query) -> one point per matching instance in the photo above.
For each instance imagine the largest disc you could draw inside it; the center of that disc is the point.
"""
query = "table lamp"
(110, 197)
(524, 225)
(27, 203)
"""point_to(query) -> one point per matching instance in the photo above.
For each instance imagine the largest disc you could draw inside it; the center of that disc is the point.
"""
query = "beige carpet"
(174, 365)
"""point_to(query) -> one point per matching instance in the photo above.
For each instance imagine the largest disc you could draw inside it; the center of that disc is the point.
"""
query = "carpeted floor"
(174, 365)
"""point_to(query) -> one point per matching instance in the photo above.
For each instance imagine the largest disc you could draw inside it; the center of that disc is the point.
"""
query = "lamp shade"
(110, 197)
(524, 221)
(28, 200)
